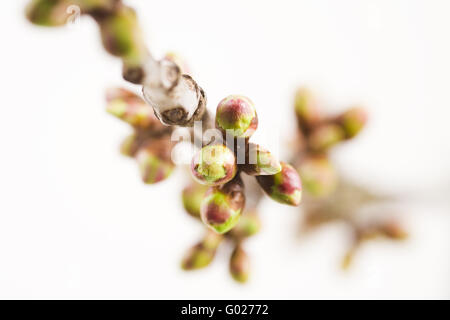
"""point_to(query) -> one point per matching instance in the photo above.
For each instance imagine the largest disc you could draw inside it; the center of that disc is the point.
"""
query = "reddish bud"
(222, 206)
(284, 187)
(394, 230)
(237, 114)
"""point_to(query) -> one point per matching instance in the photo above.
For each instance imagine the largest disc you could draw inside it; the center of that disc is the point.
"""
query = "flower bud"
(214, 165)
(353, 121)
(392, 229)
(222, 206)
(259, 161)
(325, 137)
(201, 255)
(154, 160)
(129, 146)
(95, 6)
(49, 13)
(239, 265)
(192, 198)
(238, 114)
(121, 35)
(306, 108)
(249, 225)
(318, 175)
(130, 108)
(284, 187)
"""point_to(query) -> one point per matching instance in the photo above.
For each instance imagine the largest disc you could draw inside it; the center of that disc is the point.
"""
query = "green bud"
(129, 146)
(353, 121)
(259, 161)
(284, 187)
(306, 108)
(154, 160)
(318, 175)
(214, 165)
(325, 137)
(222, 206)
(48, 13)
(239, 265)
(192, 198)
(237, 114)
(201, 255)
(249, 225)
(130, 108)
(93, 6)
(122, 37)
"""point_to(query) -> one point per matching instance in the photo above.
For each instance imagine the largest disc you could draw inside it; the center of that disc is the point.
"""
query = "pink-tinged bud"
(154, 160)
(394, 230)
(214, 165)
(306, 109)
(318, 175)
(130, 108)
(237, 114)
(249, 225)
(284, 187)
(201, 255)
(259, 161)
(192, 198)
(353, 121)
(48, 13)
(239, 265)
(222, 206)
(325, 137)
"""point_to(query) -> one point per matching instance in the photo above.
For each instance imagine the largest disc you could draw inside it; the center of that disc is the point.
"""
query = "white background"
(76, 222)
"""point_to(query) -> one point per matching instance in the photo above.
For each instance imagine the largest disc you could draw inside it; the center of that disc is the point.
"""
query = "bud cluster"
(218, 196)
(220, 166)
(318, 134)
(150, 143)
(201, 254)
(327, 198)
